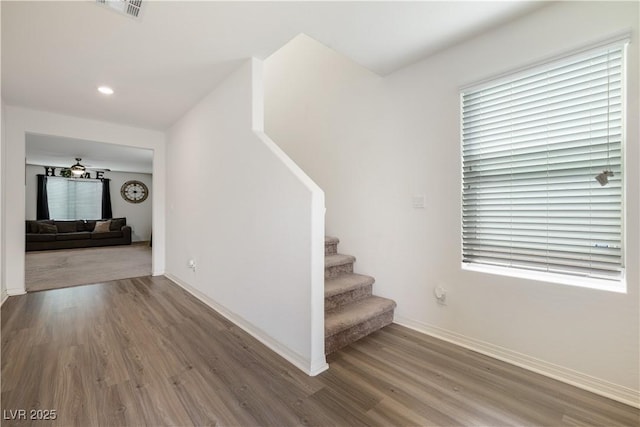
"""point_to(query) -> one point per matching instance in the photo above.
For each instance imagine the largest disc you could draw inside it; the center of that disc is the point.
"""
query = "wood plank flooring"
(142, 351)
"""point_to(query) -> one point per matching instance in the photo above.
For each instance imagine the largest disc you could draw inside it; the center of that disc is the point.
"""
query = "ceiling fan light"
(77, 169)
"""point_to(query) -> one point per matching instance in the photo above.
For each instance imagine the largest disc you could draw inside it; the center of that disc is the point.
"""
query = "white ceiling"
(56, 53)
(47, 150)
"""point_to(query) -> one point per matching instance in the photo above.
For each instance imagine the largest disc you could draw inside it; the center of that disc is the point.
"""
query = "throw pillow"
(47, 228)
(66, 226)
(102, 226)
(118, 223)
(35, 225)
(32, 227)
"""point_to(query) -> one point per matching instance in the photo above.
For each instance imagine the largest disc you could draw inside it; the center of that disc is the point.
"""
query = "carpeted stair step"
(346, 289)
(348, 323)
(351, 311)
(331, 245)
(337, 264)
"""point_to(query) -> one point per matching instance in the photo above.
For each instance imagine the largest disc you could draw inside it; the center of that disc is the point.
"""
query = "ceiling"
(47, 150)
(56, 53)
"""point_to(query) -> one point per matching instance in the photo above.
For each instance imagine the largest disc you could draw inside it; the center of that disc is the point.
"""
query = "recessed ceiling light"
(106, 90)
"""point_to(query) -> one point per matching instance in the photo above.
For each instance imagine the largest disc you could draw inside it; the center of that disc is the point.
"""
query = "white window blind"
(74, 199)
(531, 147)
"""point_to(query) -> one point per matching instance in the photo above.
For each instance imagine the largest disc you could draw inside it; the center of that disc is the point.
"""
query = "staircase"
(351, 311)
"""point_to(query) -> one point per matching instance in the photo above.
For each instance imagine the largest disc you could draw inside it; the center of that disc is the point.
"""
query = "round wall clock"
(134, 191)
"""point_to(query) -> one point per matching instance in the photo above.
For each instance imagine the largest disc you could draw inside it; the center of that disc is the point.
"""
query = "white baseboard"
(595, 385)
(10, 293)
(295, 359)
(14, 292)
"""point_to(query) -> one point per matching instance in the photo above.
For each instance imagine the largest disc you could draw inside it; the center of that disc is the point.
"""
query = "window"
(532, 145)
(74, 198)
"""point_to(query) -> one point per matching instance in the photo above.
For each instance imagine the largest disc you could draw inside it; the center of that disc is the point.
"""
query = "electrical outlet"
(192, 264)
(419, 202)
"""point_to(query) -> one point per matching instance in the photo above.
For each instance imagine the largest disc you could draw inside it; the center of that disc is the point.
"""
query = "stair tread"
(346, 283)
(346, 316)
(338, 259)
(328, 240)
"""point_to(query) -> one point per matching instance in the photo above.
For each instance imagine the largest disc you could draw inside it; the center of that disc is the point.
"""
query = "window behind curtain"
(74, 199)
(532, 145)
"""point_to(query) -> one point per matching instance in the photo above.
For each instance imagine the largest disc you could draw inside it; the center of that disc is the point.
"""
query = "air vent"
(126, 7)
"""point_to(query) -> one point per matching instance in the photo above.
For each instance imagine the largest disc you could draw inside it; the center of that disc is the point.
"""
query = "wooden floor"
(143, 352)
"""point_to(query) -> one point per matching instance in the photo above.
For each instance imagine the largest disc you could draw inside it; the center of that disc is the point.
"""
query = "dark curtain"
(106, 199)
(42, 211)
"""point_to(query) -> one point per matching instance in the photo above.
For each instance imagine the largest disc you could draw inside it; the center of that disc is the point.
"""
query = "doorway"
(71, 239)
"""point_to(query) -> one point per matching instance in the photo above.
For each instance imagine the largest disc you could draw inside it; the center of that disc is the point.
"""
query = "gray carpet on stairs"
(351, 311)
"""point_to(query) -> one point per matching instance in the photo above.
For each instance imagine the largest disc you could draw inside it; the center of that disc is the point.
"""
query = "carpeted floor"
(73, 267)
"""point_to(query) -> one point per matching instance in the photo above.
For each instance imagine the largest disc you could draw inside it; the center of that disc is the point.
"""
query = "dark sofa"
(53, 234)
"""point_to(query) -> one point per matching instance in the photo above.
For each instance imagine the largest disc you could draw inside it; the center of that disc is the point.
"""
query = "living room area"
(88, 212)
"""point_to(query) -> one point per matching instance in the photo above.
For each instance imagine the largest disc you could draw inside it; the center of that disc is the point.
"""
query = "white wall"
(372, 145)
(3, 272)
(250, 219)
(20, 121)
(138, 214)
(3, 282)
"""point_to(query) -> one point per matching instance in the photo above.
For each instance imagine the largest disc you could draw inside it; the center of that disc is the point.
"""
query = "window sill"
(582, 282)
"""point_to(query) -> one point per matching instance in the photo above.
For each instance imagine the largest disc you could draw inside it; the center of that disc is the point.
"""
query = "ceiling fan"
(77, 170)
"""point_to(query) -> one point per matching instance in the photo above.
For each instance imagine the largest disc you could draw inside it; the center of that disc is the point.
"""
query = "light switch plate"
(419, 202)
